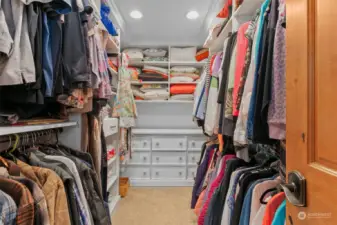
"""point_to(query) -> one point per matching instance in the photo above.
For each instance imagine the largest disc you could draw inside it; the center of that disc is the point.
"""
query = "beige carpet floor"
(155, 206)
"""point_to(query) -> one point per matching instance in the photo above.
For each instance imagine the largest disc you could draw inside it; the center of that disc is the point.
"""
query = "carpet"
(155, 206)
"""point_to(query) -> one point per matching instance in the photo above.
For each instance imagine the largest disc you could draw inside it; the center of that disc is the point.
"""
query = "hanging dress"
(125, 106)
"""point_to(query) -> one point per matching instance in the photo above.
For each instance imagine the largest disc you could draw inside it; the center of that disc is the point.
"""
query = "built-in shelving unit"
(166, 65)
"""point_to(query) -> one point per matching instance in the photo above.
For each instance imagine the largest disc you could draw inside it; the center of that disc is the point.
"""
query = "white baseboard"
(161, 183)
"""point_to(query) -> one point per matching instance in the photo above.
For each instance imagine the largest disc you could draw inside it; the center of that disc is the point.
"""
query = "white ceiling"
(164, 22)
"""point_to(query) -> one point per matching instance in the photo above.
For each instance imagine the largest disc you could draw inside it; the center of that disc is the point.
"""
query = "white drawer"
(141, 143)
(195, 143)
(136, 172)
(110, 126)
(191, 173)
(192, 158)
(140, 157)
(168, 173)
(178, 158)
(169, 144)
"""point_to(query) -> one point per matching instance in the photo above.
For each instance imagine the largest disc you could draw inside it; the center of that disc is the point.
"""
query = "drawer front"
(141, 157)
(178, 158)
(141, 143)
(136, 172)
(191, 173)
(195, 143)
(169, 143)
(110, 126)
(192, 158)
(168, 173)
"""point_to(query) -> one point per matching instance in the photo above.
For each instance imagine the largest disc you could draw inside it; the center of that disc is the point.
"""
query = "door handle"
(295, 190)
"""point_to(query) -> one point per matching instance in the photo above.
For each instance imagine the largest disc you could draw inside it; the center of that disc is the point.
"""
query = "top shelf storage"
(22, 129)
(244, 13)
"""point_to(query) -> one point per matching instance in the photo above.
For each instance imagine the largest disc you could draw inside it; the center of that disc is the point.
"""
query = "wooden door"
(312, 107)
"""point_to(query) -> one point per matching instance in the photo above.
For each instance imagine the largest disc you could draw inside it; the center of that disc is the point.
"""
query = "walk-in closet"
(150, 112)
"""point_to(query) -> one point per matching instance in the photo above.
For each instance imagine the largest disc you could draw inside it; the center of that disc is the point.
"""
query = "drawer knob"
(193, 144)
(157, 173)
(181, 144)
(181, 158)
(157, 144)
(144, 158)
(144, 173)
(144, 144)
(193, 158)
(180, 173)
(157, 158)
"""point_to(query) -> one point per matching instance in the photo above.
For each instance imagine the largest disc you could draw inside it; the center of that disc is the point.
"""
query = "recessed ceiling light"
(192, 15)
(136, 14)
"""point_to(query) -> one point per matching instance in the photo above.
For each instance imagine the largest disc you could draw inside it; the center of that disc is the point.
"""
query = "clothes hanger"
(265, 193)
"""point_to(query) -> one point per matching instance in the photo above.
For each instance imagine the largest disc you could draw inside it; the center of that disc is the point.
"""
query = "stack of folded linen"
(153, 73)
(151, 92)
(184, 74)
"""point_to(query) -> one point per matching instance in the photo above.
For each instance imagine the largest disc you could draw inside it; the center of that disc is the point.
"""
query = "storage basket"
(123, 186)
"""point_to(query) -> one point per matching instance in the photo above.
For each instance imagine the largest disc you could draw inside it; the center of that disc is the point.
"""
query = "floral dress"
(125, 106)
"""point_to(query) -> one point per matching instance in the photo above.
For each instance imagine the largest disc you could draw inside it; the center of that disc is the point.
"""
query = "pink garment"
(257, 193)
(242, 46)
(214, 185)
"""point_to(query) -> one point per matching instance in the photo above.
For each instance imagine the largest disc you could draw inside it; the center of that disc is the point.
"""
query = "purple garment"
(277, 107)
(217, 63)
(201, 172)
(213, 176)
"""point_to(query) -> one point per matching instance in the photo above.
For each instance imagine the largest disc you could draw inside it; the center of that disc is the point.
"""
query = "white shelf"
(184, 82)
(112, 160)
(248, 8)
(245, 12)
(218, 43)
(113, 203)
(161, 183)
(188, 63)
(112, 180)
(164, 101)
(22, 129)
(150, 63)
(149, 82)
(111, 46)
(166, 131)
(114, 72)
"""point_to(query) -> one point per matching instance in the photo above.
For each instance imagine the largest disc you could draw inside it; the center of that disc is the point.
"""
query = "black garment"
(90, 182)
(104, 166)
(225, 67)
(215, 209)
(263, 90)
(203, 149)
(55, 27)
(224, 80)
(75, 61)
(37, 159)
(244, 183)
